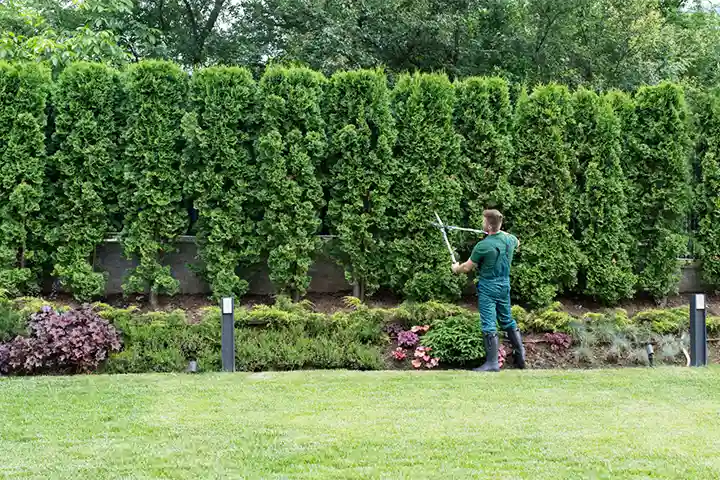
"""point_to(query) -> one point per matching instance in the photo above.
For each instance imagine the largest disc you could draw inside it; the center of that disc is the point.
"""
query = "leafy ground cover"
(621, 424)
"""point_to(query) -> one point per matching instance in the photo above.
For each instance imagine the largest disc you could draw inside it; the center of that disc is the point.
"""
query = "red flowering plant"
(409, 340)
(424, 359)
(558, 342)
(502, 355)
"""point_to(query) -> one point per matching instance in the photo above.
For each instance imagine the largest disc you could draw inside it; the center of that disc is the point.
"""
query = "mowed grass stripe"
(630, 423)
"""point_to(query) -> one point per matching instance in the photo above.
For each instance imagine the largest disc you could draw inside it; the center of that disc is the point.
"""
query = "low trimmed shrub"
(293, 349)
(455, 340)
(290, 336)
(164, 342)
(12, 322)
(411, 313)
(712, 324)
(548, 320)
(664, 322)
(520, 315)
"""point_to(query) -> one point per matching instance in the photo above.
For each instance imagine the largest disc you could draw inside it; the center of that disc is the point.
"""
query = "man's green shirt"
(493, 256)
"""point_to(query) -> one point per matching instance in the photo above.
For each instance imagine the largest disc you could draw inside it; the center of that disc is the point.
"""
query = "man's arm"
(463, 267)
(475, 259)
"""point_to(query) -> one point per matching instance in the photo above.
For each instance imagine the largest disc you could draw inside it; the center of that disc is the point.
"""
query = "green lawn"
(633, 423)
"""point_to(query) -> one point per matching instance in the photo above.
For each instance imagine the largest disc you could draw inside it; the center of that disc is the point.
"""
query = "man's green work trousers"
(494, 305)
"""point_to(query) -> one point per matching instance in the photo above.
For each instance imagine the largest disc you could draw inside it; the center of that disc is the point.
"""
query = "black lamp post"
(227, 308)
(698, 331)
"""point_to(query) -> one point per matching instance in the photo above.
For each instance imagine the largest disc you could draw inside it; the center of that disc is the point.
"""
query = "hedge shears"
(445, 228)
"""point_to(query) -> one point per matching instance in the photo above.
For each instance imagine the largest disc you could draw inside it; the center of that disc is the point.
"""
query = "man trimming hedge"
(493, 255)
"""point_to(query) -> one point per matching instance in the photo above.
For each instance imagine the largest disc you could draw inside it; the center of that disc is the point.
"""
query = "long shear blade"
(444, 234)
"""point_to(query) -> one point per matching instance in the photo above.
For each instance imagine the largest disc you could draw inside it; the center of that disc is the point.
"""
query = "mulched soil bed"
(330, 303)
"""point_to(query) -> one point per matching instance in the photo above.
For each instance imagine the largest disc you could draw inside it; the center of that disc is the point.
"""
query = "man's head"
(492, 221)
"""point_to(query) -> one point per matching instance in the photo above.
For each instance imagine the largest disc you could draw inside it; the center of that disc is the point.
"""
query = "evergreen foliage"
(483, 119)
(662, 178)
(427, 152)
(708, 121)
(590, 184)
(221, 174)
(153, 185)
(548, 258)
(290, 152)
(87, 130)
(361, 171)
(23, 93)
(601, 212)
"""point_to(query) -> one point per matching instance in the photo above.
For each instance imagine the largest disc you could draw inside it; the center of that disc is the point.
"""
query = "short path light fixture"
(227, 309)
(650, 353)
(698, 331)
(192, 366)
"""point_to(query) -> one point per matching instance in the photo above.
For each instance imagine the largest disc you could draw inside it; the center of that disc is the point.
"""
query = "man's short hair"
(494, 219)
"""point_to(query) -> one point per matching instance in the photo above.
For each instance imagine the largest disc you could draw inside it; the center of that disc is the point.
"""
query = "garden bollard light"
(650, 353)
(227, 308)
(698, 331)
(192, 366)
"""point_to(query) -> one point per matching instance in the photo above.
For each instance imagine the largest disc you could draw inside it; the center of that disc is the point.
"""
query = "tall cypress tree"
(290, 150)
(221, 172)
(606, 273)
(483, 119)
(427, 151)
(543, 180)
(708, 239)
(662, 182)
(86, 100)
(361, 171)
(23, 93)
(623, 107)
(153, 187)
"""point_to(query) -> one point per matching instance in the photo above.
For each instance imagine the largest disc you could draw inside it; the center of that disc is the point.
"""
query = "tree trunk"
(359, 290)
(154, 299)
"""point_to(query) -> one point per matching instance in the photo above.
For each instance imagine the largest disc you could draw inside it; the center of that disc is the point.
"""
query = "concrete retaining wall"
(327, 276)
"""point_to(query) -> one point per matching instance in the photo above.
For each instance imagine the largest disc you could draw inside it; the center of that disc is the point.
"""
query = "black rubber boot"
(491, 354)
(518, 349)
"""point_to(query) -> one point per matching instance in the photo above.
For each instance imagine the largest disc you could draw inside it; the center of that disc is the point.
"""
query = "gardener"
(493, 255)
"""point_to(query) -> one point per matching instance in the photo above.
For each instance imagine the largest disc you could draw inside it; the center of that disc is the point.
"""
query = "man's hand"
(463, 267)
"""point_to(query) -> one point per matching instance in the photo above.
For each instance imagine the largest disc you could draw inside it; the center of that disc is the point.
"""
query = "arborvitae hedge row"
(255, 158)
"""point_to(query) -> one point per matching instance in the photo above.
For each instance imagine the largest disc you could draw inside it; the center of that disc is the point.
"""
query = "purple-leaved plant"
(407, 339)
(76, 341)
